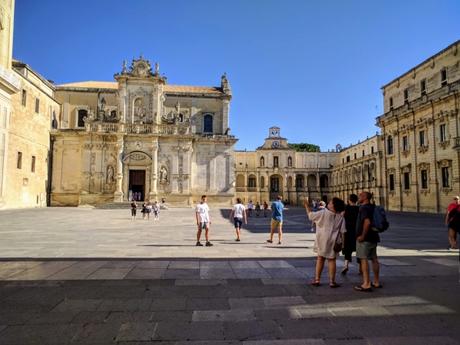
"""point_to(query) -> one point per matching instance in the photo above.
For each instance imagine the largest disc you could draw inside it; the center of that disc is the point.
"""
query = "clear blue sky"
(313, 68)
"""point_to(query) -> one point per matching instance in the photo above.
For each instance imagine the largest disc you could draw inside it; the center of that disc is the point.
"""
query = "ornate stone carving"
(164, 178)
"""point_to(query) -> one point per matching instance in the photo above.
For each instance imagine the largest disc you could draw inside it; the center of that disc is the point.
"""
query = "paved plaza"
(90, 276)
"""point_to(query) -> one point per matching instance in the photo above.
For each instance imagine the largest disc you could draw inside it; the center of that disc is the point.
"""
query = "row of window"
(356, 155)
(299, 182)
(421, 139)
(276, 162)
(19, 162)
(445, 181)
(423, 91)
(24, 101)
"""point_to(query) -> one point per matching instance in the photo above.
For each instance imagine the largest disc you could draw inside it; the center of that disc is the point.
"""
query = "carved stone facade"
(276, 169)
(142, 138)
(421, 135)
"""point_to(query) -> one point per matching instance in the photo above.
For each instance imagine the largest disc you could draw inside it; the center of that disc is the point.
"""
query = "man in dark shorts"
(350, 216)
(366, 243)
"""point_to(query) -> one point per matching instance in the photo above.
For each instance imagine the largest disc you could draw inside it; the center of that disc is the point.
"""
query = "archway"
(276, 186)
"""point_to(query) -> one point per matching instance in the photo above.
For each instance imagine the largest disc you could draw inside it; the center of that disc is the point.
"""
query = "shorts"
(203, 226)
(238, 222)
(133, 212)
(275, 223)
(366, 250)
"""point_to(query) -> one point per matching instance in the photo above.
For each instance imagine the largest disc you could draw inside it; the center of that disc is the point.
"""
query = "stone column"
(225, 112)
(153, 172)
(118, 197)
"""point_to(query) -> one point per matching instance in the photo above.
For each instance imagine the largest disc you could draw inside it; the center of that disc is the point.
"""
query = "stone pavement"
(249, 293)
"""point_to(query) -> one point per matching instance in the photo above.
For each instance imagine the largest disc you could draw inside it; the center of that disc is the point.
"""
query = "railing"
(137, 128)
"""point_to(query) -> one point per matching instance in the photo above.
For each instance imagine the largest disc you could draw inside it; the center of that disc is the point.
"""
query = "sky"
(313, 68)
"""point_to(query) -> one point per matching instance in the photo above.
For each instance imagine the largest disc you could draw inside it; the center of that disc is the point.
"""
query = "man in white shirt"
(238, 214)
(203, 220)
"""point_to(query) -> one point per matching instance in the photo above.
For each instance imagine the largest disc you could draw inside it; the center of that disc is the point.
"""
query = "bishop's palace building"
(139, 137)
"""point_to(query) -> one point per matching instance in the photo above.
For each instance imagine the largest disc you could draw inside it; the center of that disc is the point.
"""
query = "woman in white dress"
(330, 227)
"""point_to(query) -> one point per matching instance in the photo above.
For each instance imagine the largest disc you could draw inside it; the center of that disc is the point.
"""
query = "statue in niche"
(110, 175)
(163, 175)
(139, 109)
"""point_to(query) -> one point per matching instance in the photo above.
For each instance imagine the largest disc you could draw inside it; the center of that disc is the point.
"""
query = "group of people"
(339, 227)
(257, 207)
(147, 209)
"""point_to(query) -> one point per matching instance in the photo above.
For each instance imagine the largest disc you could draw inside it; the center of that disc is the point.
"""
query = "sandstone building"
(142, 138)
(276, 169)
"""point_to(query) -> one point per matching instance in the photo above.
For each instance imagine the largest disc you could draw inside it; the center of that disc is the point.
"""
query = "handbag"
(338, 245)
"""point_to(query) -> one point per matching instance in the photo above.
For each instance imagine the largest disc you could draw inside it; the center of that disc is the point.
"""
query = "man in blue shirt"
(277, 219)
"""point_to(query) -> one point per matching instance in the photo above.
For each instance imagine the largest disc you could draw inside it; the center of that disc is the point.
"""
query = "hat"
(456, 197)
(322, 203)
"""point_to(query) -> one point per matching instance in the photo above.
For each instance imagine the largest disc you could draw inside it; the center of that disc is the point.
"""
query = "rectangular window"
(406, 181)
(348, 159)
(372, 149)
(405, 143)
(355, 155)
(421, 138)
(32, 166)
(423, 87)
(406, 95)
(445, 177)
(442, 133)
(443, 77)
(24, 98)
(363, 153)
(424, 179)
(391, 103)
(275, 162)
(392, 182)
(37, 105)
(19, 161)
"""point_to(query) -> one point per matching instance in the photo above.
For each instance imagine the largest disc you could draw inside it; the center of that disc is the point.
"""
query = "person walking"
(148, 209)
(277, 220)
(257, 209)
(238, 215)
(250, 208)
(452, 233)
(156, 211)
(366, 243)
(133, 209)
(330, 229)
(203, 221)
(349, 243)
(265, 209)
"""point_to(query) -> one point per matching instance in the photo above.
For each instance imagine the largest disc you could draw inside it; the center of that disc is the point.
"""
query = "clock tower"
(274, 132)
(274, 140)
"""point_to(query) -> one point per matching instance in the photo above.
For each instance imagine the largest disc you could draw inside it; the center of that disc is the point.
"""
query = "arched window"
(289, 161)
(82, 113)
(207, 123)
(390, 145)
(323, 181)
(262, 161)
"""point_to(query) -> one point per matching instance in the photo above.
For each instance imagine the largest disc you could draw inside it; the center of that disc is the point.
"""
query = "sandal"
(315, 282)
(344, 271)
(269, 241)
(361, 289)
(334, 285)
(377, 286)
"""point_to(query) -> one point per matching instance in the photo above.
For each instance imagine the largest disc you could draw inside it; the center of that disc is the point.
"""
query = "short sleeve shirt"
(203, 212)
(277, 211)
(366, 211)
(238, 211)
(452, 206)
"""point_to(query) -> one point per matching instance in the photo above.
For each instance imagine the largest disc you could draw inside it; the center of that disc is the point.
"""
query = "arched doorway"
(276, 186)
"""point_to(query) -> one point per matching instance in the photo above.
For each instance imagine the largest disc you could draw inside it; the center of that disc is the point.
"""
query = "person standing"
(265, 209)
(133, 209)
(330, 229)
(277, 219)
(148, 209)
(452, 234)
(156, 210)
(250, 208)
(257, 209)
(351, 216)
(238, 215)
(203, 220)
(366, 243)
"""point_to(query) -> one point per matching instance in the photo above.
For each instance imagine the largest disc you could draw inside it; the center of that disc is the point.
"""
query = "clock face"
(275, 144)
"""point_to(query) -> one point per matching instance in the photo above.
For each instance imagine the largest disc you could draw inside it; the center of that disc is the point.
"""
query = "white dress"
(328, 225)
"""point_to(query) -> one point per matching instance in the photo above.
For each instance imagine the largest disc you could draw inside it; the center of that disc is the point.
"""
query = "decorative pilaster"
(118, 197)
(153, 173)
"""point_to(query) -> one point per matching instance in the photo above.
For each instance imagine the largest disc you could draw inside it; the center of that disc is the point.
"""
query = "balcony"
(137, 128)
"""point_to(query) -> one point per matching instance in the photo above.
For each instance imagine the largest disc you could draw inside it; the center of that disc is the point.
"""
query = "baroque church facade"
(142, 138)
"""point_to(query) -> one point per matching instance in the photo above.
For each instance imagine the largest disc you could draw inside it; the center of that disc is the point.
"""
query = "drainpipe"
(49, 186)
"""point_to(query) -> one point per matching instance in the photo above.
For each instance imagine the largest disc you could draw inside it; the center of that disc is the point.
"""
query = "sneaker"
(279, 242)
(237, 240)
(209, 244)
(198, 244)
(269, 241)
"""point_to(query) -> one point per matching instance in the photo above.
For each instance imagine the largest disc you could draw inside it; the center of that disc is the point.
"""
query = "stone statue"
(139, 109)
(110, 173)
(163, 175)
(157, 68)
(124, 69)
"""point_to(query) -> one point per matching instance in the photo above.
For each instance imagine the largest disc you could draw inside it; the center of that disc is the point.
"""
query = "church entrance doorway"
(137, 184)
(275, 186)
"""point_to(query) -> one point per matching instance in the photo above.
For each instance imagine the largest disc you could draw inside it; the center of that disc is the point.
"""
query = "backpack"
(379, 220)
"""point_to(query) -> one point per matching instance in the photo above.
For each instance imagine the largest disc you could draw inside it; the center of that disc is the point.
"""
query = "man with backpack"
(367, 237)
